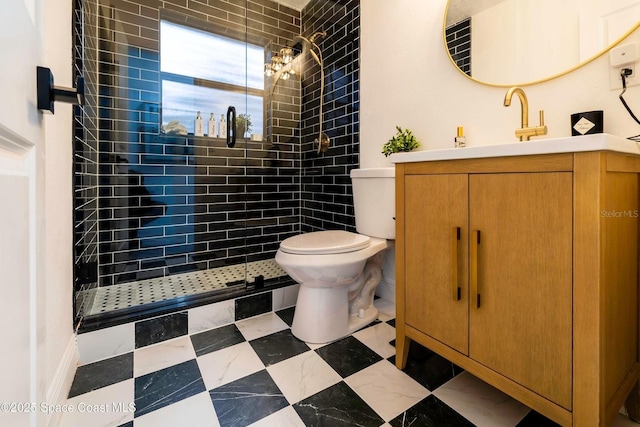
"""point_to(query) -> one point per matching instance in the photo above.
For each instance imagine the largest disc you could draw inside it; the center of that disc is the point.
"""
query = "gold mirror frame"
(533, 82)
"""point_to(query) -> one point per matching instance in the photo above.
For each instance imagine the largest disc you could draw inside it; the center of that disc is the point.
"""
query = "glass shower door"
(180, 211)
(205, 71)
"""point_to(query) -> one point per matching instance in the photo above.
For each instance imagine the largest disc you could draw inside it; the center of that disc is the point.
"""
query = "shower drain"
(131, 294)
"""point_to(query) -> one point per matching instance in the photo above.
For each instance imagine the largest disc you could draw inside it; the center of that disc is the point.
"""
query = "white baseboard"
(61, 384)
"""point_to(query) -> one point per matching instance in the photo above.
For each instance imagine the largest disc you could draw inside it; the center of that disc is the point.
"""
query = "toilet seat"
(325, 242)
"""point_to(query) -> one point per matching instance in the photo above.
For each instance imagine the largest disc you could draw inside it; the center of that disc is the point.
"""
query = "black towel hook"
(48, 93)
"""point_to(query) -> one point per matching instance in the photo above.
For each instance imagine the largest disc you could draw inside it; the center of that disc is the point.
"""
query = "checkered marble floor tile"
(256, 373)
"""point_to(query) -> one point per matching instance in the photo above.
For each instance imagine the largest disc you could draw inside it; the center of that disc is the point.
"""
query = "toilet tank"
(374, 201)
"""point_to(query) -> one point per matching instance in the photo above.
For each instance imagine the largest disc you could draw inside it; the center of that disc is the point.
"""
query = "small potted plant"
(402, 141)
(243, 124)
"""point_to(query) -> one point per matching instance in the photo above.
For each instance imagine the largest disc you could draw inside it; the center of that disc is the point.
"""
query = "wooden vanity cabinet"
(524, 271)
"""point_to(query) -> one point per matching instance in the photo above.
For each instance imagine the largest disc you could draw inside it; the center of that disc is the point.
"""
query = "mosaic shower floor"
(132, 294)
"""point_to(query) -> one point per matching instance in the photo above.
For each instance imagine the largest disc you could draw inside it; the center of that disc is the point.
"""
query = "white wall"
(59, 345)
(406, 79)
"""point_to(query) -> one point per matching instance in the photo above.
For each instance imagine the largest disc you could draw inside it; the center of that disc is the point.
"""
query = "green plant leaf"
(403, 140)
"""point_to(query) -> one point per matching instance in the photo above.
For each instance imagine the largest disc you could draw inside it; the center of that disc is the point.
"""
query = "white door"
(21, 139)
(604, 22)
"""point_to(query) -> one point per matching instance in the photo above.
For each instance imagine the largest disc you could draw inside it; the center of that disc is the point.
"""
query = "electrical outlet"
(615, 82)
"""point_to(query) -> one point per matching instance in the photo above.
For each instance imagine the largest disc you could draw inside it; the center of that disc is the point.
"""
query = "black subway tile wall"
(327, 201)
(85, 147)
(150, 204)
(458, 38)
(173, 204)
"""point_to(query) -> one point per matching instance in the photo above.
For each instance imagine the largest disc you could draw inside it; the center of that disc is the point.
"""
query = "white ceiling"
(457, 10)
(294, 4)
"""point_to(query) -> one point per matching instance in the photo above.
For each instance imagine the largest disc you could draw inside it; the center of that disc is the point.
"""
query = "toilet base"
(322, 315)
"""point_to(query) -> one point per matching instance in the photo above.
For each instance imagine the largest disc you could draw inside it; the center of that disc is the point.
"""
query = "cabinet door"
(436, 303)
(523, 325)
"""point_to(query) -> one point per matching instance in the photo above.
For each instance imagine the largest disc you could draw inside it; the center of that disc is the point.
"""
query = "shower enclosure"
(166, 218)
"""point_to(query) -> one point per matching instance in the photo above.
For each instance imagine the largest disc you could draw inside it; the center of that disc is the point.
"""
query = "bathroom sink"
(595, 142)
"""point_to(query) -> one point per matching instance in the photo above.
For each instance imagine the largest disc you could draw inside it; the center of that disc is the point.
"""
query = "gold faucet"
(525, 132)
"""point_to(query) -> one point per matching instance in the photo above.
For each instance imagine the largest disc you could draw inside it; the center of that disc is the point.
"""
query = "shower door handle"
(231, 126)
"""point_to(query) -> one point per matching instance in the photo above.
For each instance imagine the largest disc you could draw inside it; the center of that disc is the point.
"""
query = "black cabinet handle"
(231, 126)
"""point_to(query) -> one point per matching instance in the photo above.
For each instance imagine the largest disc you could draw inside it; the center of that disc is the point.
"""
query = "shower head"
(317, 35)
(312, 42)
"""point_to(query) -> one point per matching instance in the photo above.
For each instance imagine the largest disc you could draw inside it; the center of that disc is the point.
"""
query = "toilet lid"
(325, 242)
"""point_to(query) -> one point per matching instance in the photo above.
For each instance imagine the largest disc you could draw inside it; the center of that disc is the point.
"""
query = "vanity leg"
(402, 351)
(632, 404)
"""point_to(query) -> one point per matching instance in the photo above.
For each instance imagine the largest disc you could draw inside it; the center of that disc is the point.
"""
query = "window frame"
(220, 31)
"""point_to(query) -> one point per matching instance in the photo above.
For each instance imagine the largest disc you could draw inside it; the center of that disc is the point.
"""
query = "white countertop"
(595, 142)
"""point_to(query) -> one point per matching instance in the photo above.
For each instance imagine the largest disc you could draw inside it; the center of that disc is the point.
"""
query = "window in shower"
(207, 72)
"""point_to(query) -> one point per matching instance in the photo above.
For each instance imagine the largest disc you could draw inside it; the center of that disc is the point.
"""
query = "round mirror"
(521, 42)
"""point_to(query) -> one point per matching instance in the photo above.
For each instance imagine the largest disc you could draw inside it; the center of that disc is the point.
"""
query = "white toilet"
(339, 271)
